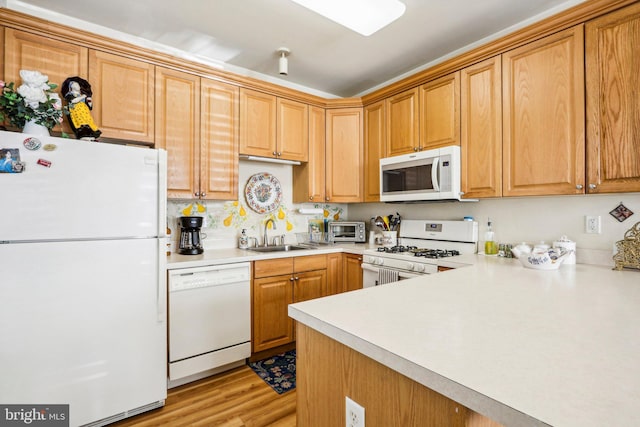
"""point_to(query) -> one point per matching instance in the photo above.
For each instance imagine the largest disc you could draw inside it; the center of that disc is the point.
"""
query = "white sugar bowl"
(544, 260)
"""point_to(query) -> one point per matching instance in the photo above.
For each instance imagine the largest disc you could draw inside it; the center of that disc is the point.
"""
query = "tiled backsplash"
(224, 221)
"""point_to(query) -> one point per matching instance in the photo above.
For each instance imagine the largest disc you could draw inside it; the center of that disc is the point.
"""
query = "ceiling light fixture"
(362, 16)
(283, 63)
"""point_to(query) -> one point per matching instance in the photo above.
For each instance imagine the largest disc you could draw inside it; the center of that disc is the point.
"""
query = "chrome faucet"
(266, 223)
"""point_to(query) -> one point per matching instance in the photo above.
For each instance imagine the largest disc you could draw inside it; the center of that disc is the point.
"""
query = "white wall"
(529, 219)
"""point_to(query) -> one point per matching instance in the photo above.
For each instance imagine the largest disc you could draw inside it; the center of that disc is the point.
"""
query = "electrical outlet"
(354, 413)
(592, 225)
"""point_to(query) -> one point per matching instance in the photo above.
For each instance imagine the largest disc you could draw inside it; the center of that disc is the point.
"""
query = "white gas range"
(422, 247)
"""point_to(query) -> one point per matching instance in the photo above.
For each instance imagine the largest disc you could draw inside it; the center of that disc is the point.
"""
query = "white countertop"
(231, 255)
(523, 347)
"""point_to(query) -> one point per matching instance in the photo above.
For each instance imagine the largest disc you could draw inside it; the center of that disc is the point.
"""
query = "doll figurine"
(77, 93)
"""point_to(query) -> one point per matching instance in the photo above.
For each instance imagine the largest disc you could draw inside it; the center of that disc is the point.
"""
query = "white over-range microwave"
(421, 176)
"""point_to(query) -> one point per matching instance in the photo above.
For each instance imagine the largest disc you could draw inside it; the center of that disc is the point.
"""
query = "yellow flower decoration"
(227, 221)
(242, 212)
(289, 226)
(201, 208)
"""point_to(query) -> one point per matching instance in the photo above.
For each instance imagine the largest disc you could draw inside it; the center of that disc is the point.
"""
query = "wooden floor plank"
(237, 398)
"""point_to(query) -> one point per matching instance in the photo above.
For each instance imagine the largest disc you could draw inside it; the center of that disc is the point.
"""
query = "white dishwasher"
(209, 320)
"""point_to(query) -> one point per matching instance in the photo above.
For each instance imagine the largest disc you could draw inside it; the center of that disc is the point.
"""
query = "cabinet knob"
(327, 198)
(297, 278)
(579, 187)
(291, 279)
(203, 194)
(415, 148)
(275, 153)
(310, 197)
(462, 193)
(279, 153)
(592, 186)
(197, 194)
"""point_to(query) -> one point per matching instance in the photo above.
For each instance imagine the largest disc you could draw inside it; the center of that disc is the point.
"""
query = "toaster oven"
(347, 231)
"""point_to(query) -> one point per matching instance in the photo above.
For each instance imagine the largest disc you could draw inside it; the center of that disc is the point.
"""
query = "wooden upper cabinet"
(481, 129)
(543, 116)
(344, 155)
(440, 112)
(219, 142)
(58, 60)
(257, 123)
(309, 177)
(292, 131)
(178, 130)
(374, 149)
(123, 96)
(273, 127)
(613, 102)
(402, 123)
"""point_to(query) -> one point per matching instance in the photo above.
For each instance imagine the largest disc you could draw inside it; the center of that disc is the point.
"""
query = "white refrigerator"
(82, 276)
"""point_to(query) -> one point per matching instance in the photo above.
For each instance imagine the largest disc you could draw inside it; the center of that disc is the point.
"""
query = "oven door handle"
(401, 274)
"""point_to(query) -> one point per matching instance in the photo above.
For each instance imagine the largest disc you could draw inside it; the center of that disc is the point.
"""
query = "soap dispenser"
(243, 241)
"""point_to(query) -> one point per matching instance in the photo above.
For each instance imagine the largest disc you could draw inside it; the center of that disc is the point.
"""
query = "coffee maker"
(190, 242)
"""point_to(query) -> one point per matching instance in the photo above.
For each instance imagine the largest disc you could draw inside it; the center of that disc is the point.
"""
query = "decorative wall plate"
(263, 192)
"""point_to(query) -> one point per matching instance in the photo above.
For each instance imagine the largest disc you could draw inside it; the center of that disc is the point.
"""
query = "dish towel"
(386, 275)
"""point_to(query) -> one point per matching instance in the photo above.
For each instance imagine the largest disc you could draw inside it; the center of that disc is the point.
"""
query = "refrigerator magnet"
(49, 147)
(45, 163)
(10, 161)
(32, 144)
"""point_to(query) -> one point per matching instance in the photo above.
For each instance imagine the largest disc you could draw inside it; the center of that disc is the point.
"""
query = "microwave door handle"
(434, 174)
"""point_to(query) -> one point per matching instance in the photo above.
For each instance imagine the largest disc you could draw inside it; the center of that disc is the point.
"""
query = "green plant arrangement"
(35, 100)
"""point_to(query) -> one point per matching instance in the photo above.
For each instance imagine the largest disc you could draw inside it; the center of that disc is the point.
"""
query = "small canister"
(243, 241)
(568, 245)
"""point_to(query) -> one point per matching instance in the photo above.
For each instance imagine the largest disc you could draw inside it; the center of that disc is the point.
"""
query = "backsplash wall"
(529, 219)
(224, 221)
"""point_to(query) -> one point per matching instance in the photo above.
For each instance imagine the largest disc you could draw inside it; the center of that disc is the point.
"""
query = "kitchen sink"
(281, 248)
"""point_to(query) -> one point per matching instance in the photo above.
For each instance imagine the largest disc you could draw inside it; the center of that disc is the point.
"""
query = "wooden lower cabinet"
(352, 276)
(327, 371)
(276, 284)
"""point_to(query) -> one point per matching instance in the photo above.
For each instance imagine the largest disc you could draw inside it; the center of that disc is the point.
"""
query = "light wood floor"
(236, 398)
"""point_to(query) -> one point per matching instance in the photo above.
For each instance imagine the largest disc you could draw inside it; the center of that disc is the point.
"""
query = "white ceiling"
(327, 59)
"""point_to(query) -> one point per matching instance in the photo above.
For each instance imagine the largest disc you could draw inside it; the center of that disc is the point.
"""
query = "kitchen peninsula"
(521, 347)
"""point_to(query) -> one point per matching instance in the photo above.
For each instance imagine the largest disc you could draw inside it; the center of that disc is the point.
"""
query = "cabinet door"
(374, 149)
(309, 285)
(481, 129)
(334, 273)
(123, 96)
(178, 130)
(309, 178)
(272, 326)
(219, 142)
(257, 123)
(613, 102)
(58, 60)
(344, 155)
(352, 272)
(403, 123)
(543, 116)
(440, 112)
(292, 130)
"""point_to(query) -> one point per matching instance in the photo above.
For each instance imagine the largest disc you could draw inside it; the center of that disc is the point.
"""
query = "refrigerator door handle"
(161, 291)
(162, 193)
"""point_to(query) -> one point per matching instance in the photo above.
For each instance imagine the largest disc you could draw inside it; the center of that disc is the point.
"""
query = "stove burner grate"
(420, 252)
